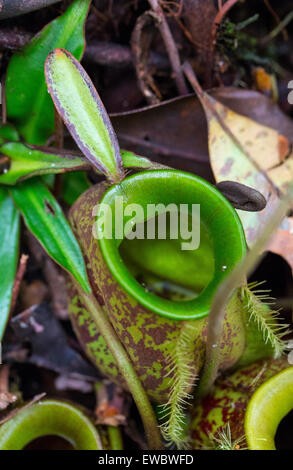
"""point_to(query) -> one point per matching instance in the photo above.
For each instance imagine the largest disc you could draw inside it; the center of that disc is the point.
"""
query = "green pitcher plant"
(156, 296)
(245, 408)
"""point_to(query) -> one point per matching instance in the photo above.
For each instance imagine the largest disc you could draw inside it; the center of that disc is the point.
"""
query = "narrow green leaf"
(9, 245)
(29, 106)
(28, 161)
(45, 219)
(83, 112)
(131, 160)
(25, 162)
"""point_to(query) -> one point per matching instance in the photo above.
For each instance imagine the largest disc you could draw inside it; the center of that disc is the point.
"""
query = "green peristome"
(47, 418)
(150, 339)
(269, 404)
(29, 106)
(221, 246)
(252, 402)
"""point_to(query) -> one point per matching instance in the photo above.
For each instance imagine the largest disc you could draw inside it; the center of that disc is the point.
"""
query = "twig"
(17, 410)
(170, 47)
(101, 16)
(278, 29)
(167, 5)
(188, 35)
(224, 9)
(140, 45)
(18, 279)
(277, 18)
(222, 13)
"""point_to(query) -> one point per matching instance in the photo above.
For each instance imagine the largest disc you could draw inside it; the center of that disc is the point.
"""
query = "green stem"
(126, 368)
(115, 438)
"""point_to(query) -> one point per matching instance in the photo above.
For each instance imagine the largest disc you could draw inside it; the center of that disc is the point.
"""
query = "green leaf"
(29, 106)
(26, 162)
(83, 112)
(133, 161)
(9, 245)
(8, 132)
(48, 180)
(45, 219)
(73, 185)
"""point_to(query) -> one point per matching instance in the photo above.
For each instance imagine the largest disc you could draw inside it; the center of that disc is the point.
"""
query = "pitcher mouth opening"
(160, 264)
(198, 268)
(49, 442)
(284, 433)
